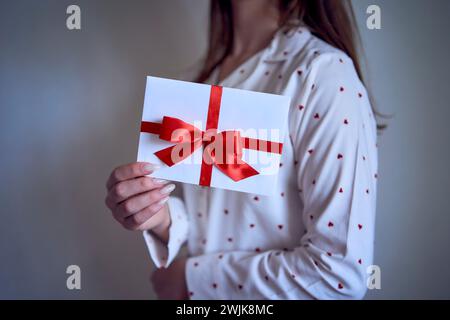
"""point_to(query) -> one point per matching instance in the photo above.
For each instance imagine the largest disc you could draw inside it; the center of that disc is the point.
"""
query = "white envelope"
(255, 115)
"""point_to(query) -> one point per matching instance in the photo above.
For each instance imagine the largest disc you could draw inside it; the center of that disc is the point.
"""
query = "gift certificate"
(213, 136)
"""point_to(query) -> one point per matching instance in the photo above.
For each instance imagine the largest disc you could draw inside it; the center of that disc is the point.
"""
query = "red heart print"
(340, 156)
(330, 224)
(360, 226)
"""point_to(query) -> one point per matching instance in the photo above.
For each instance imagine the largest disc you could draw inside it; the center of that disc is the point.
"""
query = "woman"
(314, 238)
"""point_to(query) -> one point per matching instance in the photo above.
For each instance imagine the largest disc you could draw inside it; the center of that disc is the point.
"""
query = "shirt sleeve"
(333, 134)
(163, 254)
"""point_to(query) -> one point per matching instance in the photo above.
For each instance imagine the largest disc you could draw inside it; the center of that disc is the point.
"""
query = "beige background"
(70, 103)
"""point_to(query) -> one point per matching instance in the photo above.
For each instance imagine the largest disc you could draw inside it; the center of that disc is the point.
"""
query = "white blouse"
(314, 238)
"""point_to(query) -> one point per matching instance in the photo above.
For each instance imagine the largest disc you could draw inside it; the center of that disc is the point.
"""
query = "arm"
(161, 232)
(337, 187)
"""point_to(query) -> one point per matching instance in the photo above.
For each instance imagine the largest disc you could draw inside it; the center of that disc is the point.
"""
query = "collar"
(287, 42)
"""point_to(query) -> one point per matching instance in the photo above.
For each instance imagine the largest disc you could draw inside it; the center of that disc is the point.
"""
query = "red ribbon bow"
(223, 149)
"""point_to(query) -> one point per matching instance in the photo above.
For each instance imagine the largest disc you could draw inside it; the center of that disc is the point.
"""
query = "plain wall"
(70, 105)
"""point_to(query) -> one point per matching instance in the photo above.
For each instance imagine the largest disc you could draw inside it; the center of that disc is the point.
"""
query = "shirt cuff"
(163, 254)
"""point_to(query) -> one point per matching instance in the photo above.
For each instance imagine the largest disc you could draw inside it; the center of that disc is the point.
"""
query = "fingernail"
(163, 200)
(150, 167)
(160, 181)
(168, 189)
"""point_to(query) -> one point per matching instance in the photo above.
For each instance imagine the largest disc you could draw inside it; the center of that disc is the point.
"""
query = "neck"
(254, 24)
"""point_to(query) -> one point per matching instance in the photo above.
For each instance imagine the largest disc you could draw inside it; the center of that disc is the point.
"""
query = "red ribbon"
(223, 149)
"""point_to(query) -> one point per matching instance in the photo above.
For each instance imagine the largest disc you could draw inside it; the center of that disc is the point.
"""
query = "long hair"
(330, 20)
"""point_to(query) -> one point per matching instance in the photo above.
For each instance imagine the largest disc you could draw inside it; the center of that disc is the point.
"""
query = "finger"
(126, 189)
(138, 219)
(137, 203)
(110, 203)
(135, 221)
(130, 171)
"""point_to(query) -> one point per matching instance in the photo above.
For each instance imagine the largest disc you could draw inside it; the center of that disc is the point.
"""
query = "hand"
(139, 202)
(170, 283)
